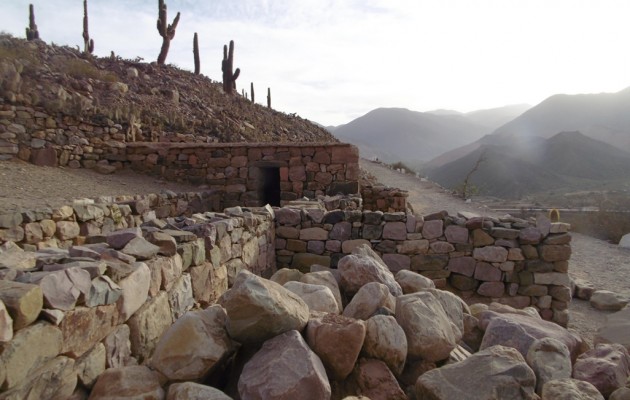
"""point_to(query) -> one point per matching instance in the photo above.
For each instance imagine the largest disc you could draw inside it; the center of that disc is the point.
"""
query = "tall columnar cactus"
(196, 54)
(269, 97)
(88, 44)
(252, 87)
(31, 31)
(227, 66)
(166, 31)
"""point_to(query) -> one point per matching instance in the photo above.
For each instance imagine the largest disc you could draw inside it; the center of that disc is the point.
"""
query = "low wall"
(512, 261)
(384, 198)
(246, 174)
(97, 291)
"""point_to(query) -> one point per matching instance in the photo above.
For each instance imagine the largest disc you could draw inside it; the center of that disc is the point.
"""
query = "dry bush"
(81, 69)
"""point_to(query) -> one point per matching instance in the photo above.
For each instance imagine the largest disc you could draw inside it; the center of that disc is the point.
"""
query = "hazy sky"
(332, 61)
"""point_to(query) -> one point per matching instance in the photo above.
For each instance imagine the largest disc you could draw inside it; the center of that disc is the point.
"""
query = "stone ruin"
(209, 295)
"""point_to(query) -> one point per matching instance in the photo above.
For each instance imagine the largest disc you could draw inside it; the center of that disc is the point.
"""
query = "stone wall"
(512, 261)
(90, 295)
(239, 173)
(384, 198)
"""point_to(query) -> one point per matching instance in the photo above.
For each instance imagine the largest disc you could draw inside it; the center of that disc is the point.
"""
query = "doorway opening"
(269, 187)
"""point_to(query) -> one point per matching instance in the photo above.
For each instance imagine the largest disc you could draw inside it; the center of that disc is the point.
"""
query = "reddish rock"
(397, 262)
(432, 229)
(570, 389)
(337, 340)
(456, 234)
(530, 235)
(282, 369)
(606, 367)
(368, 300)
(375, 381)
(385, 340)
(491, 289)
(490, 254)
(395, 231)
(364, 266)
(133, 382)
(462, 265)
(487, 272)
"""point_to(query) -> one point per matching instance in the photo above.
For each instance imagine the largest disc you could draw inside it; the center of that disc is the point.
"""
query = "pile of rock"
(361, 331)
(67, 314)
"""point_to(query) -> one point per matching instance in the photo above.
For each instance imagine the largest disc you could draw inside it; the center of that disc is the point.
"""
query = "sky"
(331, 61)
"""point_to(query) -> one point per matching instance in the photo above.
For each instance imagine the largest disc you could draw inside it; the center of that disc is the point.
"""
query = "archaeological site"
(288, 274)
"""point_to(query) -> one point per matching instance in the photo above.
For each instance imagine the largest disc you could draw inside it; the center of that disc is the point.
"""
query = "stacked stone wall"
(233, 170)
(384, 198)
(101, 286)
(509, 260)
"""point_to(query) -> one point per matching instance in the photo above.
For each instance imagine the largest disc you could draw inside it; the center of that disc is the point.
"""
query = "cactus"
(252, 87)
(166, 31)
(269, 97)
(88, 44)
(31, 31)
(227, 66)
(196, 53)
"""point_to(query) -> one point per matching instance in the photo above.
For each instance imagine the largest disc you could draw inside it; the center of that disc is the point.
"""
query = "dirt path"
(24, 185)
(605, 265)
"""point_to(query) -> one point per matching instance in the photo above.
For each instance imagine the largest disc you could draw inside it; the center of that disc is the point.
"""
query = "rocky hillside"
(159, 102)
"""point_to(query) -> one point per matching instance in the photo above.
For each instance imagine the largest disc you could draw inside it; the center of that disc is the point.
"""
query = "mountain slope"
(564, 162)
(398, 134)
(602, 116)
(156, 101)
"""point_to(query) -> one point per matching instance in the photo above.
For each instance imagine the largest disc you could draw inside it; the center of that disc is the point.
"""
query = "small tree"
(196, 54)
(88, 44)
(31, 30)
(468, 190)
(166, 31)
(227, 66)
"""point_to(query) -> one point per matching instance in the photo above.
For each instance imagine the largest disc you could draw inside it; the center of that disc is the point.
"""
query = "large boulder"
(385, 340)
(283, 369)
(259, 309)
(431, 335)
(375, 381)
(205, 346)
(550, 360)
(570, 389)
(364, 266)
(607, 367)
(133, 382)
(520, 331)
(411, 282)
(337, 340)
(606, 300)
(368, 300)
(327, 279)
(495, 373)
(317, 297)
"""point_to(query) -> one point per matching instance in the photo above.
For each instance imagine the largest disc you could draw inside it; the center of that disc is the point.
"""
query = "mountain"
(398, 134)
(495, 117)
(602, 116)
(512, 169)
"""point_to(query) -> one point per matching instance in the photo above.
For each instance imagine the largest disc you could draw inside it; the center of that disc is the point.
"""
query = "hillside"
(398, 134)
(157, 101)
(602, 116)
(565, 162)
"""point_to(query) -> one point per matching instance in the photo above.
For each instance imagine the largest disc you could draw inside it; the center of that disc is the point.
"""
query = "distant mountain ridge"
(566, 161)
(398, 134)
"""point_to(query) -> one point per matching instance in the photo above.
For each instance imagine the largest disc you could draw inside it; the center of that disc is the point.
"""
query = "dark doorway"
(269, 188)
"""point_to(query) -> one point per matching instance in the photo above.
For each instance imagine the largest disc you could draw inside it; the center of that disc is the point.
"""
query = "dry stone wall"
(384, 198)
(239, 173)
(105, 280)
(512, 261)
